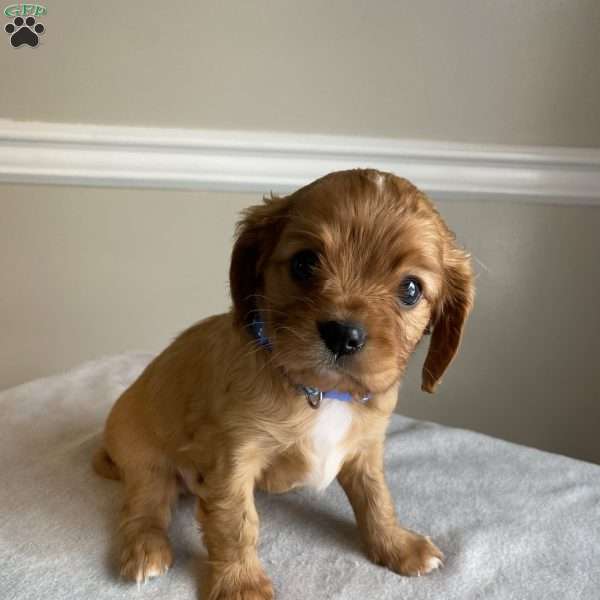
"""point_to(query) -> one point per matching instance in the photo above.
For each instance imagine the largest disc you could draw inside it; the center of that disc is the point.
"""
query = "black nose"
(342, 337)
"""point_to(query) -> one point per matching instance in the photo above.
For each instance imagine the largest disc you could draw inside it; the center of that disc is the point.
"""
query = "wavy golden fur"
(222, 414)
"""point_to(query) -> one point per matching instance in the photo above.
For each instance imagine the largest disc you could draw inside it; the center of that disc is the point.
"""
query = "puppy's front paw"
(146, 555)
(229, 586)
(407, 553)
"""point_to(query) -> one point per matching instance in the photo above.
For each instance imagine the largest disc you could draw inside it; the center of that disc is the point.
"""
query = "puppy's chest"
(327, 443)
(318, 455)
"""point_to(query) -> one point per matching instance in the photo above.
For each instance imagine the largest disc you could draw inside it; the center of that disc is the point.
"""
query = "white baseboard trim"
(97, 155)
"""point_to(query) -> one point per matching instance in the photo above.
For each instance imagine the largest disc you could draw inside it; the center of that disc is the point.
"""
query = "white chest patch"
(333, 423)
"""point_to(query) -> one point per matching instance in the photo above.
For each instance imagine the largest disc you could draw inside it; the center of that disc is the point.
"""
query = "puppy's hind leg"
(150, 493)
(104, 465)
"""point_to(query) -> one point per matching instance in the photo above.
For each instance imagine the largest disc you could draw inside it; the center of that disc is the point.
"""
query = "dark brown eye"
(410, 291)
(302, 265)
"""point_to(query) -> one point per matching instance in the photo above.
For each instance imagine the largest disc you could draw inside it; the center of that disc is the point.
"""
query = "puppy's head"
(347, 274)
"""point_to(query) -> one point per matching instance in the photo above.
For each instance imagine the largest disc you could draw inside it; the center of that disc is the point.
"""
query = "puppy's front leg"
(387, 543)
(229, 524)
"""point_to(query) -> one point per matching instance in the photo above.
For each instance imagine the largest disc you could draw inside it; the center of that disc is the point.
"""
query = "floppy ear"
(256, 236)
(451, 314)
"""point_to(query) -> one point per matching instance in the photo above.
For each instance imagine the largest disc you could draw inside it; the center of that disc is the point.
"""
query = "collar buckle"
(313, 395)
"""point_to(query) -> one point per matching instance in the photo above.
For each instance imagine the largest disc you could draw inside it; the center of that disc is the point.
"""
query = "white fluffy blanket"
(514, 523)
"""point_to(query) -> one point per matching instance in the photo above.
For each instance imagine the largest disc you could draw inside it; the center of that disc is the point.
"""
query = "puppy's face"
(347, 274)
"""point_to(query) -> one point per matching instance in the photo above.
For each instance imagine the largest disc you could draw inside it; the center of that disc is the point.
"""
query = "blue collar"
(313, 395)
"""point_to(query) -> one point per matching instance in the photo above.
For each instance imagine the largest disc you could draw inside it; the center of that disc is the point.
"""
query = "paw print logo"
(24, 31)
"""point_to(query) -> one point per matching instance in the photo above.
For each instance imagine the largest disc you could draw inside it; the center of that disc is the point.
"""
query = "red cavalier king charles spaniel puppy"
(333, 287)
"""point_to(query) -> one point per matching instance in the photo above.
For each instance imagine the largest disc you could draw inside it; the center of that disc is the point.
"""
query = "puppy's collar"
(314, 395)
(257, 328)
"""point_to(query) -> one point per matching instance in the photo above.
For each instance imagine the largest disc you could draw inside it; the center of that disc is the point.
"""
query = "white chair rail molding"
(259, 161)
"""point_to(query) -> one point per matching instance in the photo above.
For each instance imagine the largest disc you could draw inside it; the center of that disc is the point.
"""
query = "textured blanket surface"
(513, 522)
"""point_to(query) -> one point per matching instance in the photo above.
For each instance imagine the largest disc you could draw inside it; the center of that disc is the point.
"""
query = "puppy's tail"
(104, 465)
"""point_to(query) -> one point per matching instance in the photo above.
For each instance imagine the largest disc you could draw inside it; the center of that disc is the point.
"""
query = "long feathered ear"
(256, 236)
(451, 314)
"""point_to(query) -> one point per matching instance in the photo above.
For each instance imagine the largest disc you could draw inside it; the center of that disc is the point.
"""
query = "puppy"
(332, 287)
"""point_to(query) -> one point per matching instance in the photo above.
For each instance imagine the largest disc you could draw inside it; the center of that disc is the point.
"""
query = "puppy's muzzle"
(342, 337)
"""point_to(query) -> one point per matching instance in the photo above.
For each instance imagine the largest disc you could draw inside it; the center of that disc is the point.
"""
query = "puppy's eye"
(303, 264)
(410, 291)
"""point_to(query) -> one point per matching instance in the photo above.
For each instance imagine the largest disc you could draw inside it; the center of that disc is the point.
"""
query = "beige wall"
(500, 71)
(86, 272)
